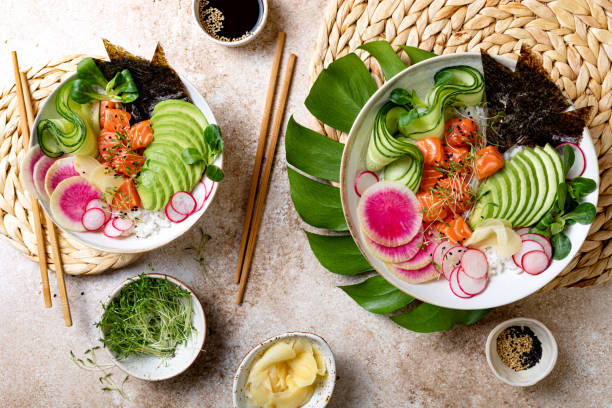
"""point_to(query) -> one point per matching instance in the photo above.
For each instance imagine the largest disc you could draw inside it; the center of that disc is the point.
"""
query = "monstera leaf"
(336, 98)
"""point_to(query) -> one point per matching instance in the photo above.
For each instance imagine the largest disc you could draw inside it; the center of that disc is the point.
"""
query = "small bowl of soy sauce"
(231, 23)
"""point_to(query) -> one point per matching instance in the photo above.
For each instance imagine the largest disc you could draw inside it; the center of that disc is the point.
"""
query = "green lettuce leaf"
(388, 60)
(426, 318)
(317, 203)
(338, 253)
(340, 92)
(313, 153)
(417, 54)
(376, 295)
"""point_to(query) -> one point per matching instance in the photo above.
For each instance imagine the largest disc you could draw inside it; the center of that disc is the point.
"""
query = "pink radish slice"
(93, 219)
(469, 285)
(26, 170)
(110, 231)
(579, 165)
(364, 180)
(209, 184)
(453, 283)
(173, 216)
(183, 203)
(97, 203)
(535, 262)
(474, 264)
(521, 231)
(439, 252)
(528, 245)
(199, 194)
(58, 172)
(41, 168)
(422, 257)
(397, 254)
(414, 276)
(452, 259)
(123, 224)
(389, 213)
(542, 240)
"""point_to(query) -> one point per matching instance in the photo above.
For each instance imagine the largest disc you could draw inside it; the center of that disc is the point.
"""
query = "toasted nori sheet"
(155, 79)
(525, 107)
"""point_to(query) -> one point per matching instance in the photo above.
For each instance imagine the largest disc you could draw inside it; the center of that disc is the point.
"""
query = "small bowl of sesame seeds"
(521, 351)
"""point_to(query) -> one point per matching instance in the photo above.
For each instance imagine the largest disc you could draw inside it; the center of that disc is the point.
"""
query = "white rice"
(147, 223)
(499, 264)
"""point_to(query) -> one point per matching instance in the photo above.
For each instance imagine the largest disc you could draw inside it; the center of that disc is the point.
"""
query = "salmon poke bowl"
(470, 181)
(125, 154)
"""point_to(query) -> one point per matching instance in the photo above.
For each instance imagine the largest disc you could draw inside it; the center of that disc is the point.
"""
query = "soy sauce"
(230, 20)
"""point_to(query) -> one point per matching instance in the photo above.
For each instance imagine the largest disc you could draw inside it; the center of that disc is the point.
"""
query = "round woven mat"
(574, 38)
(16, 221)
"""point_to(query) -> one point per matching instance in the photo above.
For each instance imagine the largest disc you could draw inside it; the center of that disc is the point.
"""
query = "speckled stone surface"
(379, 364)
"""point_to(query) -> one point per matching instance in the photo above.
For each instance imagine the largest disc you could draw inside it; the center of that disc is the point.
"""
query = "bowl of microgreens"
(153, 326)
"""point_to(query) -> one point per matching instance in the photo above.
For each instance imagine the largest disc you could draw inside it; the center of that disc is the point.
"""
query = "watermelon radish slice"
(389, 213)
(40, 172)
(123, 224)
(414, 276)
(528, 246)
(535, 262)
(69, 200)
(58, 172)
(110, 231)
(93, 219)
(452, 259)
(439, 252)
(173, 216)
(183, 203)
(364, 180)
(395, 254)
(199, 194)
(453, 283)
(542, 240)
(26, 171)
(422, 257)
(474, 264)
(97, 203)
(579, 165)
(469, 285)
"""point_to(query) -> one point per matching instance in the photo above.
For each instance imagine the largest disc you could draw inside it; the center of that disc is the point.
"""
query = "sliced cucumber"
(407, 171)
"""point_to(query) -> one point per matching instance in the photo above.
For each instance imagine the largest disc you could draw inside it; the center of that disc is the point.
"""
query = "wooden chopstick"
(55, 251)
(263, 132)
(265, 179)
(25, 137)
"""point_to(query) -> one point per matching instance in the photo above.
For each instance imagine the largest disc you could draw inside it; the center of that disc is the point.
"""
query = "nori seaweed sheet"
(155, 79)
(525, 107)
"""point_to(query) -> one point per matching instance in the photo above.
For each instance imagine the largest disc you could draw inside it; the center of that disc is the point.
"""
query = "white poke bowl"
(152, 368)
(324, 389)
(503, 288)
(131, 243)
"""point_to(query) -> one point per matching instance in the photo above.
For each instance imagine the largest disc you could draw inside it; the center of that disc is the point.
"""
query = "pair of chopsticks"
(259, 186)
(26, 121)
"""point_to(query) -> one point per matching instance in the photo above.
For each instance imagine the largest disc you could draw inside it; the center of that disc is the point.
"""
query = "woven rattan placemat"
(16, 221)
(574, 37)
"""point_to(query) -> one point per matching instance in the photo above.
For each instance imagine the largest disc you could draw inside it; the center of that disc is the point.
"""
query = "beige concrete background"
(379, 364)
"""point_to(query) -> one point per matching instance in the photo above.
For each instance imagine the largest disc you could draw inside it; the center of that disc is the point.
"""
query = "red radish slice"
(414, 276)
(97, 203)
(397, 254)
(364, 180)
(173, 216)
(438, 252)
(199, 194)
(209, 184)
(422, 257)
(535, 262)
(452, 259)
(528, 245)
(474, 264)
(110, 231)
(454, 284)
(542, 240)
(579, 165)
(93, 219)
(123, 224)
(183, 203)
(390, 214)
(470, 285)
(524, 230)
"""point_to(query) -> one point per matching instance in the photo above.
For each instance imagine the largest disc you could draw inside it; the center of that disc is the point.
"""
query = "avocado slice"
(497, 200)
(174, 106)
(159, 184)
(537, 167)
(556, 161)
(147, 187)
(165, 152)
(520, 190)
(529, 188)
(551, 178)
(147, 197)
(177, 120)
(167, 173)
(184, 135)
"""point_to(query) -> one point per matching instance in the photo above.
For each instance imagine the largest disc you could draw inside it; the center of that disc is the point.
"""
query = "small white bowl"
(152, 368)
(530, 376)
(238, 43)
(324, 389)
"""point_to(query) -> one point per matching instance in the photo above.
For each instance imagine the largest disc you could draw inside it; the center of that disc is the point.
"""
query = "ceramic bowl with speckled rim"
(323, 389)
(152, 368)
